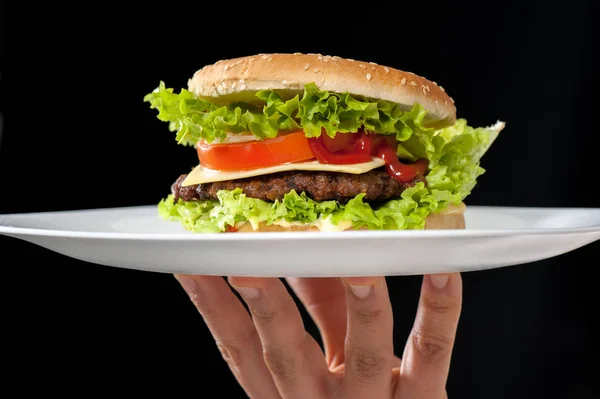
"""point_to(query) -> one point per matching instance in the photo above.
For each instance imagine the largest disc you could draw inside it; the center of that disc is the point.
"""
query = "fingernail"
(248, 292)
(187, 283)
(439, 280)
(361, 291)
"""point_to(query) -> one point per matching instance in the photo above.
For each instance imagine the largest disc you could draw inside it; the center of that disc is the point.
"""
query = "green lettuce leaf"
(234, 206)
(314, 111)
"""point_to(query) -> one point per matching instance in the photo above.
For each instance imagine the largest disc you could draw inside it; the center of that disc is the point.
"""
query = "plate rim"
(284, 236)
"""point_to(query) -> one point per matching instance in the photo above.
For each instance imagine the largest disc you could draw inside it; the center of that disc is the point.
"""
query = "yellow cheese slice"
(200, 175)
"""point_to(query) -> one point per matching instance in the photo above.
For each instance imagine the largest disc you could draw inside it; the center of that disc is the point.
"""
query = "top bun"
(238, 79)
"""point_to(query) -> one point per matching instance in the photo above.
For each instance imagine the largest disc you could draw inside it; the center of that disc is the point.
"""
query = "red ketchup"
(352, 148)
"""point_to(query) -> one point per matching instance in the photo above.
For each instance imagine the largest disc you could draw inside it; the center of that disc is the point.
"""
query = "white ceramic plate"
(136, 238)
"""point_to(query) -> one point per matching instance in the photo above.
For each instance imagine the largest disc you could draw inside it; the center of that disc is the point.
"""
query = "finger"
(325, 301)
(426, 360)
(293, 356)
(234, 332)
(369, 338)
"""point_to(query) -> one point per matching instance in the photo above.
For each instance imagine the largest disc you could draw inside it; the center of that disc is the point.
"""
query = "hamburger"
(309, 142)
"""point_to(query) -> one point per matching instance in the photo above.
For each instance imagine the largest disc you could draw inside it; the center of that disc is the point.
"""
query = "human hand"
(272, 356)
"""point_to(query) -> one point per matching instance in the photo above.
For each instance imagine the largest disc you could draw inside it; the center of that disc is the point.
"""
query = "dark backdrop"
(77, 135)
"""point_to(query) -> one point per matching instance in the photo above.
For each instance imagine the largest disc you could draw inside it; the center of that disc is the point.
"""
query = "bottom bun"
(451, 218)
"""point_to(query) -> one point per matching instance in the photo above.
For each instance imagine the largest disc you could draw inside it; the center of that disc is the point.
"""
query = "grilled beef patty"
(319, 186)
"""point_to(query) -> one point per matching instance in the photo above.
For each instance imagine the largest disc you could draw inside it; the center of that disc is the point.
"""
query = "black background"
(77, 135)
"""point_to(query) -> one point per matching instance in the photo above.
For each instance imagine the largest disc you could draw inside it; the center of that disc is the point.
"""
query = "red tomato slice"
(341, 141)
(291, 147)
(358, 150)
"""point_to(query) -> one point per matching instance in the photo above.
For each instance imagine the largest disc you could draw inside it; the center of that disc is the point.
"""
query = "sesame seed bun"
(238, 79)
(451, 218)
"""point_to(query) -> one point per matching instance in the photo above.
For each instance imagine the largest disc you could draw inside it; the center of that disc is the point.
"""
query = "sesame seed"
(284, 82)
(363, 66)
(425, 87)
(403, 81)
(242, 81)
(242, 87)
(369, 76)
(386, 69)
(306, 66)
(424, 91)
(442, 89)
(326, 59)
(413, 83)
(297, 53)
(445, 102)
(373, 67)
(226, 67)
(233, 85)
(349, 59)
(373, 63)
(451, 99)
(435, 83)
(264, 57)
(251, 60)
(335, 58)
(316, 70)
(269, 59)
(223, 84)
(320, 57)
